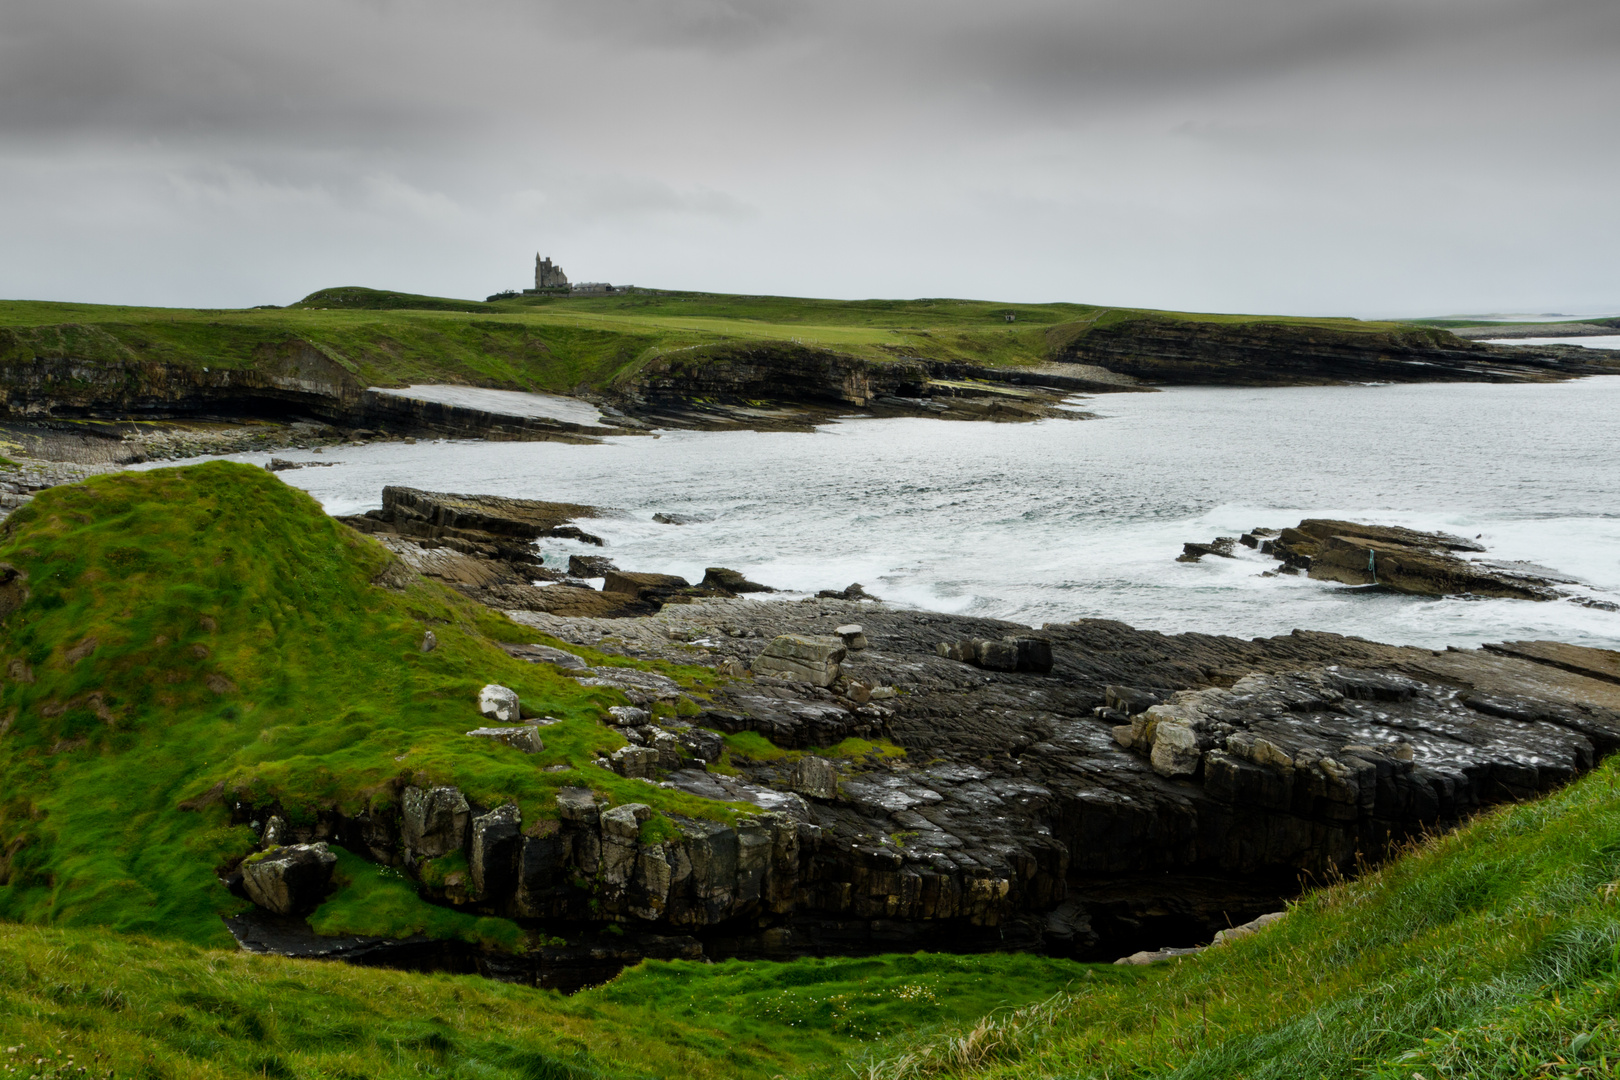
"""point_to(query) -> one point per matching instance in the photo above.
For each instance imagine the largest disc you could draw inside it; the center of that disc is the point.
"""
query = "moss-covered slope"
(178, 639)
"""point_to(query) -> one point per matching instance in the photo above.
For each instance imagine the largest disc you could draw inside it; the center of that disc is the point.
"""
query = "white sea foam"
(1595, 341)
(502, 402)
(1066, 519)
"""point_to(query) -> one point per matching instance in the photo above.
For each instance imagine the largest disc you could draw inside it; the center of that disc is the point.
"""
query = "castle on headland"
(549, 278)
(548, 275)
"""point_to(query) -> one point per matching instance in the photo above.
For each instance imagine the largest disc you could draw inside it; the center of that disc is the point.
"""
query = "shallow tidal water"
(1059, 520)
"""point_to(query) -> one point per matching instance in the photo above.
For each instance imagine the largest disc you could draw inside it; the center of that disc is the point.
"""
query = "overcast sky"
(1349, 156)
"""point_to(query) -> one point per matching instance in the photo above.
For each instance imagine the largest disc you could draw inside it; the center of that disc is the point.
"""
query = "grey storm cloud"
(1363, 156)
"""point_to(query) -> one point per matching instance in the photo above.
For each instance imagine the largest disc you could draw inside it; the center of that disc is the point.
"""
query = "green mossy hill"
(178, 639)
(1493, 952)
(563, 344)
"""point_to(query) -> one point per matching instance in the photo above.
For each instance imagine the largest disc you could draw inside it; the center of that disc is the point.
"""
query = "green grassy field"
(566, 344)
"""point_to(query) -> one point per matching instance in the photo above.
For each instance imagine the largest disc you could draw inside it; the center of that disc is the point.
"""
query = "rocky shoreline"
(295, 393)
(931, 781)
(1187, 352)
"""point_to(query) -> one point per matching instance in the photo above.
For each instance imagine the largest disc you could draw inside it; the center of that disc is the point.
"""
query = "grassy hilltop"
(562, 344)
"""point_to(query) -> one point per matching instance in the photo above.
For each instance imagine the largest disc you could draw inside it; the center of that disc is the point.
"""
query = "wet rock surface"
(1190, 352)
(1149, 790)
(1399, 560)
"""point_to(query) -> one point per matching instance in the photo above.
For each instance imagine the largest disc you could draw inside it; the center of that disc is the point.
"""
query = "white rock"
(1176, 749)
(498, 702)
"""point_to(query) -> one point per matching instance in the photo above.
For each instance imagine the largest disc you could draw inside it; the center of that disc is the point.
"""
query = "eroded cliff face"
(292, 378)
(776, 371)
(1175, 351)
(1149, 790)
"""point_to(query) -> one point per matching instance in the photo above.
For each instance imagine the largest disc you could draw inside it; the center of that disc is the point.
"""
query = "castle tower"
(548, 275)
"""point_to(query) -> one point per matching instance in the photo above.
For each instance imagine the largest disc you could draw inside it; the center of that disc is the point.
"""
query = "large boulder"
(434, 821)
(499, 703)
(289, 880)
(523, 737)
(720, 579)
(814, 777)
(852, 635)
(641, 585)
(802, 658)
(634, 761)
(589, 566)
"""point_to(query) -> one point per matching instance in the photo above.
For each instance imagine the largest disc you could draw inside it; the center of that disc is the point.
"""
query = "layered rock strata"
(1399, 560)
(1146, 790)
(1190, 352)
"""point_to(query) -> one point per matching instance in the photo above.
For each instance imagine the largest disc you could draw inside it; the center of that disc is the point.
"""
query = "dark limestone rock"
(433, 821)
(722, 580)
(642, 586)
(590, 566)
(1020, 653)
(1148, 791)
(1222, 546)
(493, 848)
(702, 744)
(1404, 560)
(523, 738)
(1161, 349)
(1129, 700)
(854, 591)
(289, 880)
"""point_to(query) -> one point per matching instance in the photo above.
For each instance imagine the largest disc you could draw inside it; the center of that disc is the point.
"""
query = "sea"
(1084, 517)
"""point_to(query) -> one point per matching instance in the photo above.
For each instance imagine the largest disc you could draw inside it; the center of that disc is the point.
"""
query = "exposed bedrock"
(1399, 560)
(1148, 790)
(742, 383)
(293, 380)
(1164, 350)
(482, 545)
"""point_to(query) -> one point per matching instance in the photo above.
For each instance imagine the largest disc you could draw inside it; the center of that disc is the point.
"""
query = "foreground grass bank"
(1492, 952)
(144, 1008)
(572, 344)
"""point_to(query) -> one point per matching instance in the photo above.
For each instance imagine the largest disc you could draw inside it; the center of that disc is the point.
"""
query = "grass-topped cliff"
(564, 344)
(177, 640)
